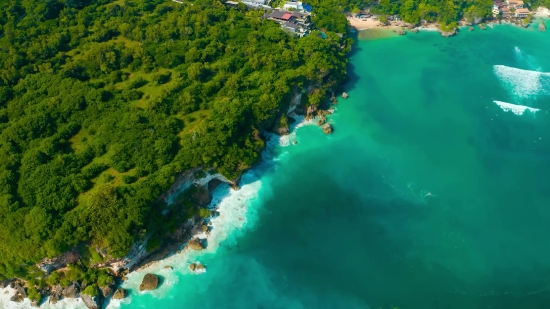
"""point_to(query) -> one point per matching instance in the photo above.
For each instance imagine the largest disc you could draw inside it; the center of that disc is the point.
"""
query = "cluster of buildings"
(294, 22)
(510, 9)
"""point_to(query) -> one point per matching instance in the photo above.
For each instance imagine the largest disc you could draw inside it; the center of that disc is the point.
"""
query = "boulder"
(20, 294)
(106, 291)
(470, 28)
(482, 27)
(92, 302)
(344, 95)
(150, 282)
(71, 291)
(542, 26)
(119, 294)
(415, 30)
(168, 267)
(322, 120)
(195, 244)
(327, 128)
(53, 299)
(197, 267)
(401, 32)
(205, 228)
(34, 303)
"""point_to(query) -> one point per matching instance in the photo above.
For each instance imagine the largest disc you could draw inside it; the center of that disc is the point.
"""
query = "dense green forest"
(104, 103)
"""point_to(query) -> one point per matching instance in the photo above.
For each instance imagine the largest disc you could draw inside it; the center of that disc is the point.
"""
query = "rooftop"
(522, 11)
(286, 16)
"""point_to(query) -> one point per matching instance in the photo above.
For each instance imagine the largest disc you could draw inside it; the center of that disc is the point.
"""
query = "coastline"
(228, 204)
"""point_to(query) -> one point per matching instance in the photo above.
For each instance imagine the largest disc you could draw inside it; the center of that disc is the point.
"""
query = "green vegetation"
(90, 290)
(104, 103)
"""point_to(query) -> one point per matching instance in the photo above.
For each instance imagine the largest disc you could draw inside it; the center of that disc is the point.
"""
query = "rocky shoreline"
(199, 187)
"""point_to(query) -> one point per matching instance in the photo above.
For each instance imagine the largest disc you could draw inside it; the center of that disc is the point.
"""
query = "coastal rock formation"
(542, 26)
(327, 128)
(168, 267)
(414, 30)
(71, 291)
(196, 244)
(482, 27)
(119, 294)
(150, 282)
(106, 291)
(34, 303)
(448, 33)
(401, 32)
(470, 28)
(197, 267)
(20, 294)
(322, 120)
(92, 302)
(344, 95)
(53, 299)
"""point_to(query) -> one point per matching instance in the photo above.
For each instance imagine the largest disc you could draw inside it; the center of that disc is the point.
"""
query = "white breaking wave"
(523, 83)
(516, 109)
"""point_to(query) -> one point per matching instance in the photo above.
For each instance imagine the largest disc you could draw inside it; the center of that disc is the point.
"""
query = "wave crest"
(523, 83)
(516, 109)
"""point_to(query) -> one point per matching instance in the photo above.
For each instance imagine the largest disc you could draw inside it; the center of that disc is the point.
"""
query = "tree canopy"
(104, 103)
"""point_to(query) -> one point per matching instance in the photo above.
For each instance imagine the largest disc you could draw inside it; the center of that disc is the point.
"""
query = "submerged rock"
(415, 30)
(401, 32)
(470, 28)
(344, 95)
(150, 282)
(119, 294)
(542, 26)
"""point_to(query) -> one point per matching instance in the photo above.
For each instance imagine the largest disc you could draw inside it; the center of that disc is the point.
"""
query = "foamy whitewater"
(516, 109)
(523, 83)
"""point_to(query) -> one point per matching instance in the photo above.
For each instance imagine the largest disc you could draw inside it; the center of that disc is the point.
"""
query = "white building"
(297, 6)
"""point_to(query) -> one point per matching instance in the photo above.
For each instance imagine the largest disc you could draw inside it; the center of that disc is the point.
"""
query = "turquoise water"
(427, 195)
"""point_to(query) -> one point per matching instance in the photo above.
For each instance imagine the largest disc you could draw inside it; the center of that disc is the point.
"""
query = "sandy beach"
(371, 23)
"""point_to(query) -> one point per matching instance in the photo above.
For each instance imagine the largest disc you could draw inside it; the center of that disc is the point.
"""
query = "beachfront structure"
(505, 11)
(496, 11)
(516, 4)
(522, 13)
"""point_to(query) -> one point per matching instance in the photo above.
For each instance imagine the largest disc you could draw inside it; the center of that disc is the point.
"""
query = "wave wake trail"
(516, 109)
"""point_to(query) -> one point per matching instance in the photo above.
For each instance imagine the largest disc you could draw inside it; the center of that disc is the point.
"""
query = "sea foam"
(516, 109)
(523, 83)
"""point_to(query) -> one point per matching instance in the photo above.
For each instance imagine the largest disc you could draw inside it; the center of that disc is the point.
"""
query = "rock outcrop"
(344, 95)
(470, 28)
(92, 302)
(327, 128)
(197, 267)
(542, 26)
(196, 244)
(119, 294)
(150, 282)
(71, 291)
(53, 299)
(20, 294)
(401, 32)
(482, 27)
(414, 30)
(106, 291)
(448, 33)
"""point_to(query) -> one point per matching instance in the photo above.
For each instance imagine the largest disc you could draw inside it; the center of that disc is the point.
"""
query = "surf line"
(516, 109)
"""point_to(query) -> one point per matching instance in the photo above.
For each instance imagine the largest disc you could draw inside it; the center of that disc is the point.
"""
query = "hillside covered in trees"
(104, 103)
